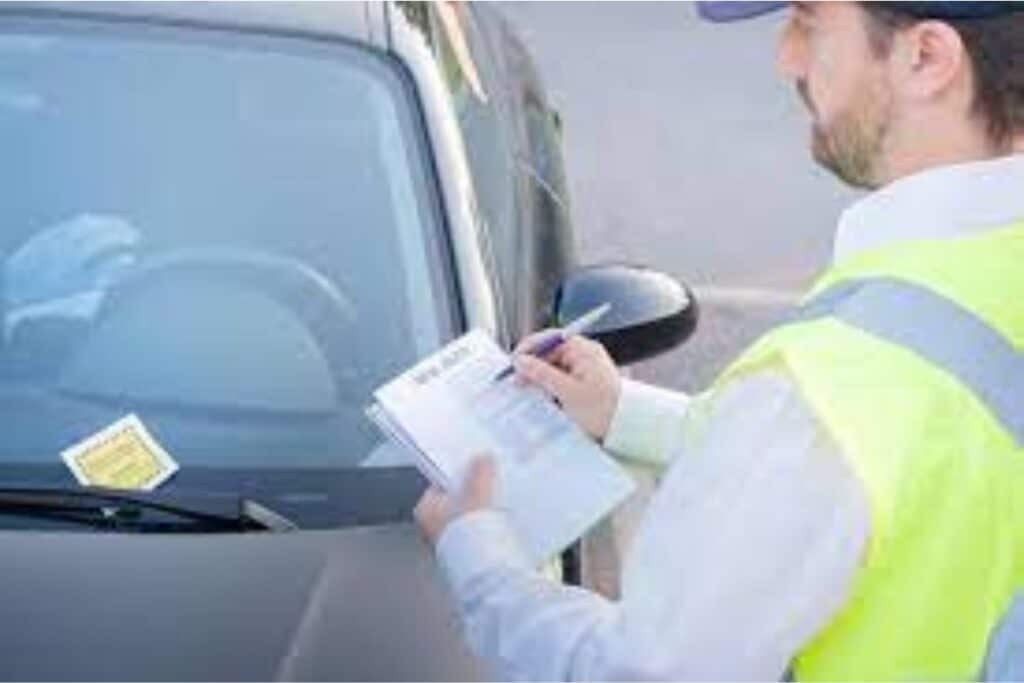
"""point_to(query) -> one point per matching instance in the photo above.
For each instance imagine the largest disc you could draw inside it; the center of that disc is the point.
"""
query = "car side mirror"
(650, 314)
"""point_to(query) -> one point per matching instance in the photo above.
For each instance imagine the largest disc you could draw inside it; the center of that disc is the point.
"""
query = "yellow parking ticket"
(122, 456)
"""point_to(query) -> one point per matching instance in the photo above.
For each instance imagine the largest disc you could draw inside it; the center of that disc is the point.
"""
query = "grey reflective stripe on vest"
(938, 329)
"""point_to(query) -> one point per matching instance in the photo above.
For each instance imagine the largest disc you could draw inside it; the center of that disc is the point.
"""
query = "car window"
(230, 238)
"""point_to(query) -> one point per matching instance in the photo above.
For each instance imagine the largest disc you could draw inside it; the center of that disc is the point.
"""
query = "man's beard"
(851, 147)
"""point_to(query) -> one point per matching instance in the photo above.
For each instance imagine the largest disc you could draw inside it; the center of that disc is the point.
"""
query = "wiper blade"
(120, 510)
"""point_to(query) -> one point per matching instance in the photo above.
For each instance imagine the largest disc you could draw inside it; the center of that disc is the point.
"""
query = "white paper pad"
(553, 480)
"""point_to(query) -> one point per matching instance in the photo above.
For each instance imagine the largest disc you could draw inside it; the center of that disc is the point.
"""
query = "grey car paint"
(360, 603)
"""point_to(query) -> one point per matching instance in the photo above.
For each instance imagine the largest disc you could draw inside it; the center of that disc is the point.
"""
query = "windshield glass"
(230, 240)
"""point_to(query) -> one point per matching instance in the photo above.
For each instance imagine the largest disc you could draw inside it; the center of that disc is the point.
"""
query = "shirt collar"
(944, 202)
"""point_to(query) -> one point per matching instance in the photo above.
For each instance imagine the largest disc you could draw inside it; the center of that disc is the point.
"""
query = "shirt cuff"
(645, 422)
(478, 543)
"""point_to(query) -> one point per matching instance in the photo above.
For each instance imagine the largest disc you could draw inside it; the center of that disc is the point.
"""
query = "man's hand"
(437, 509)
(579, 374)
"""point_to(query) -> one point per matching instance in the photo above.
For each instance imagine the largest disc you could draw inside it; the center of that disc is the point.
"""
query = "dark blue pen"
(559, 337)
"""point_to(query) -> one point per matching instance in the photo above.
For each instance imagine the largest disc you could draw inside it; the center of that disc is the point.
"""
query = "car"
(232, 222)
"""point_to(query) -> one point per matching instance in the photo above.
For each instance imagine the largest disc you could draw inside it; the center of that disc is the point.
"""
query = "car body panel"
(361, 604)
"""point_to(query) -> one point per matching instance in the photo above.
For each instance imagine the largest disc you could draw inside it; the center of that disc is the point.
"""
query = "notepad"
(553, 480)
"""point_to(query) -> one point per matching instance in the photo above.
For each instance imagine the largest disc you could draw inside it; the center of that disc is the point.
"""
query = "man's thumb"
(478, 491)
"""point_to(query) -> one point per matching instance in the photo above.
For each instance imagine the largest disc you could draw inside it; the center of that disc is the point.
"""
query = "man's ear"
(930, 62)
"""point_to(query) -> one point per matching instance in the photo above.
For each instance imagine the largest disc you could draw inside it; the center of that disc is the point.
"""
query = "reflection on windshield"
(61, 273)
(227, 240)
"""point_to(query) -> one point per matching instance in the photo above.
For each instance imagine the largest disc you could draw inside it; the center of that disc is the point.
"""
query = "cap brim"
(724, 11)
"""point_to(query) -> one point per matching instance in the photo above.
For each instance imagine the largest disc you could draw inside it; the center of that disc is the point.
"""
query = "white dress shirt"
(752, 541)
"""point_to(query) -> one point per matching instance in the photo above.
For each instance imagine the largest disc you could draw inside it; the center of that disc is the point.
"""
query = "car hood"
(364, 604)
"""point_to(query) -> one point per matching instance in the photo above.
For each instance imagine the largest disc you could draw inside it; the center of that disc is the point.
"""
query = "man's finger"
(479, 489)
(549, 378)
(429, 503)
(574, 357)
(595, 348)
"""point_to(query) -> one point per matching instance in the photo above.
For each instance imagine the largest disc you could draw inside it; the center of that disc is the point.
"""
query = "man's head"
(894, 88)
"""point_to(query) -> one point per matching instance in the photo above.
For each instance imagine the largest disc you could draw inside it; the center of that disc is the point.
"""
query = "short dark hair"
(995, 46)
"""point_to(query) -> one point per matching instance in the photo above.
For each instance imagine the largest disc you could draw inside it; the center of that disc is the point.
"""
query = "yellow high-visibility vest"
(912, 358)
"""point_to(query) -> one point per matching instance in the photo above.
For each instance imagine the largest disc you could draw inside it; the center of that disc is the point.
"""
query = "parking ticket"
(122, 456)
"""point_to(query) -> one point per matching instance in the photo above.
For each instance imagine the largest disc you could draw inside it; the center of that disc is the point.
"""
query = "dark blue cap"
(965, 9)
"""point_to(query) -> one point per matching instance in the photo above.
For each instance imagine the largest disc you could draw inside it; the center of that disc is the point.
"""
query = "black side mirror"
(650, 314)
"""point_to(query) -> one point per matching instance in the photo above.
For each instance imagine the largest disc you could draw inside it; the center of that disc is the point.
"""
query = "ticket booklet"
(553, 480)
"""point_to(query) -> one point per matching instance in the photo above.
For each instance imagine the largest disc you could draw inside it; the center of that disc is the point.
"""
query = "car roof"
(360, 22)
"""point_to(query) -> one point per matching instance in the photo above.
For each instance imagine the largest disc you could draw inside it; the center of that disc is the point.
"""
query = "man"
(844, 503)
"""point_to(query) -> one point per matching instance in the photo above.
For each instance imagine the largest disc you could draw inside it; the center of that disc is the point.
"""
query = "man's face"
(825, 50)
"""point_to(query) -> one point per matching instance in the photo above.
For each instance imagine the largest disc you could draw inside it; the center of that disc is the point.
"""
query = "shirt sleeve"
(747, 550)
(647, 422)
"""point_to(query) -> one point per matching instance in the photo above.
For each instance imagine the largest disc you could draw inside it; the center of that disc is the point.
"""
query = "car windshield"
(231, 239)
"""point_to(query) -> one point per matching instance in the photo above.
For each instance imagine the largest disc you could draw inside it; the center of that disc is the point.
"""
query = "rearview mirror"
(650, 314)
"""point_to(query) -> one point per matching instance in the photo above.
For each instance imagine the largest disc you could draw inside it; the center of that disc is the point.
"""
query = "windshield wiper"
(137, 511)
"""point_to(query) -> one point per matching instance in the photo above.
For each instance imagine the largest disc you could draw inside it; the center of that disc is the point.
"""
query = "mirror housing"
(650, 314)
